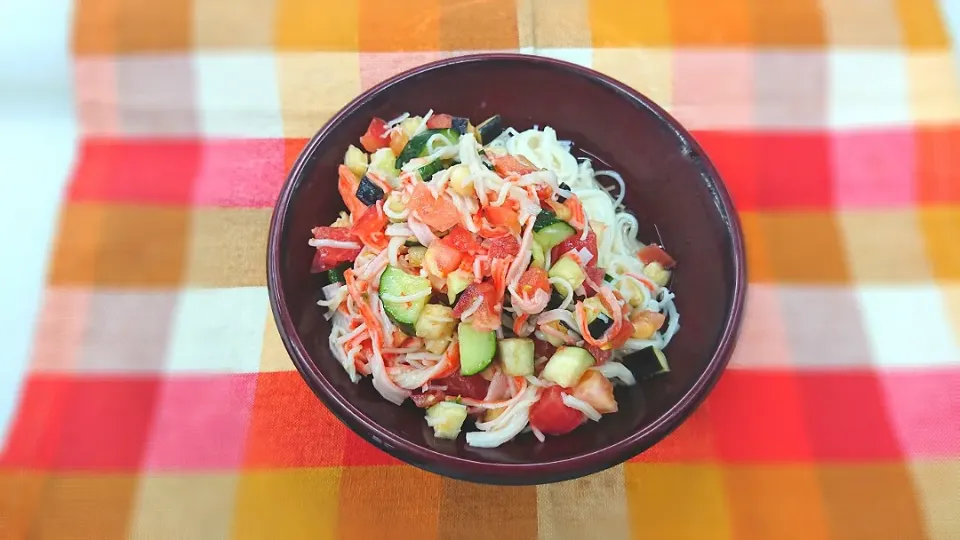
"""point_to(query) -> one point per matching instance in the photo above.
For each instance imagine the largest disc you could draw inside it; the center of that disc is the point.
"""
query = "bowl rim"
(489, 472)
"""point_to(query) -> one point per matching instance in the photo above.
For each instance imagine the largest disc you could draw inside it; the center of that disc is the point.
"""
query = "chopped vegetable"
(375, 137)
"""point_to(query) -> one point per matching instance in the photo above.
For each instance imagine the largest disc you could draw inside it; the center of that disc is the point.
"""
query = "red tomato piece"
(575, 243)
(440, 214)
(347, 185)
(473, 386)
(596, 275)
(370, 226)
(655, 253)
(502, 247)
(508, 164)
(327, 257)
(428, 399)
(551, 416)
(463, 240)
(501, 216)
(374, 139)
(441, 259)
(440, 121)
(532, 280)
(599, 354)
(543, 348)
(398, 139)
(484, 318)
(596, 390)
(625, 333)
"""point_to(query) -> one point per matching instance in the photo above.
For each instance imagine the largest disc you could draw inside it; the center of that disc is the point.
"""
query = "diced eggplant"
(649, 362)
(459, 124)
(561, 198)
(599, 326)
(367, 192)
(490, 129)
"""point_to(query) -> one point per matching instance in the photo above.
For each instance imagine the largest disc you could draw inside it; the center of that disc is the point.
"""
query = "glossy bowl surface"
(671, 186)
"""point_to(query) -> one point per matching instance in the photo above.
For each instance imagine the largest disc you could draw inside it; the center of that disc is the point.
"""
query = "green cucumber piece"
(550, 235)
(477, 348)
(335, 275)
(516, 355)
(545, 218)
(567, 365)
(446, 418)
(396, 282)
(417, 146)
(427, 171)
(568, 269)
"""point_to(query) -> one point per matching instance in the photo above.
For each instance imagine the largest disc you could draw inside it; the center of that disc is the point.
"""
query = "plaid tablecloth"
(144, 391)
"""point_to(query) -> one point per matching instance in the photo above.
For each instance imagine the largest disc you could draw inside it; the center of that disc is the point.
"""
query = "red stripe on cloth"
(773, 171)
(289, 427)
(82, 423)
(846, 416)
(153, 171)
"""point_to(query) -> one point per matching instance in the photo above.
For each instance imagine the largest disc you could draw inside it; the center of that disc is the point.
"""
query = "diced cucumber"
(567, 365)
(382, 161)
(516, 355)
(551, 235)
(435, 322)
(446, 418)
(545, 218)
(427, 171)
(539, 258)
(335, 275)
(594, 307)
(568, 269)
(417, 146)
(457, 282)
(395, 282)
(608, 278)
(410, 125)
(477, 348)
(356, 160)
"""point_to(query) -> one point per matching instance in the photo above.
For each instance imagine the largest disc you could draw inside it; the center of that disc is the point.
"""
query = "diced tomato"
(501, 216)
(575, 243)
(596, 390)
(428, 399)
(502, 247)
(600, 355)
(398, 139)
(440, 214)
(484, 318)
(374, 139)
(532, 280)
(470, 294)
(655, 253)
(441, 259)
(326, 257)
(347, 185)
(551, 416)
(542, 348)
(645, 323)
(370, 226)
(463, 240)
(473, 386)
(621, 337)
(440, 121)
(596, 275)
(508, 164)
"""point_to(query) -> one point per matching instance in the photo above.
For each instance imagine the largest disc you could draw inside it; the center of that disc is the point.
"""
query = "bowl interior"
(669, 188)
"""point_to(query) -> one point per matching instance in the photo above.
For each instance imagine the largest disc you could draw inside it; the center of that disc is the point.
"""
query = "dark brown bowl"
(670, 184)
